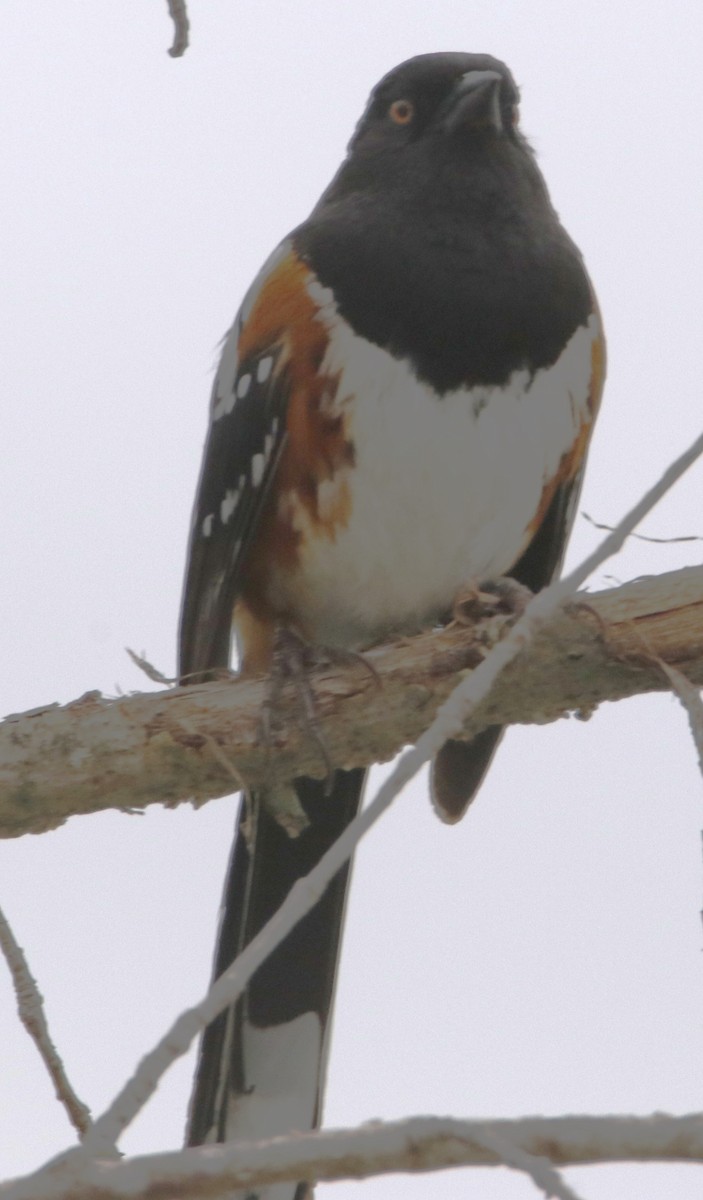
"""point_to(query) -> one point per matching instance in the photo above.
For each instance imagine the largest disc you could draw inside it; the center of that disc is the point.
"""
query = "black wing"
(244, 444)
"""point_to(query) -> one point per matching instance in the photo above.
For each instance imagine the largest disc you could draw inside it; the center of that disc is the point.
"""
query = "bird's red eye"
(402, 112)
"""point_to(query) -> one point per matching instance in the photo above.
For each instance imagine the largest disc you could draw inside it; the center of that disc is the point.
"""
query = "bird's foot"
(294, 659)
(489, 598)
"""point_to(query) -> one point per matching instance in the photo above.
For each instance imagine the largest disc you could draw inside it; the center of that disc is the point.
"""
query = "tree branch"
(417, 1144)
(181, 27)
(30, 1006)
(201, 742)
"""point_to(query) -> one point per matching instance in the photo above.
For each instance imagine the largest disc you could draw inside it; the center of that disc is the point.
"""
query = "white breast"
(443, 490)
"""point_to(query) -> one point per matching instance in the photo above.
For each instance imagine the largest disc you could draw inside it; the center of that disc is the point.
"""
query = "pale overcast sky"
(545, 955)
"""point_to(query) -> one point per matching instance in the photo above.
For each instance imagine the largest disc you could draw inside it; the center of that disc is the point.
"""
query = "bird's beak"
(474, 103)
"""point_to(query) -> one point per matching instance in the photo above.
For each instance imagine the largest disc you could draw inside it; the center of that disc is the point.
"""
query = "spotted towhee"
(403, 404)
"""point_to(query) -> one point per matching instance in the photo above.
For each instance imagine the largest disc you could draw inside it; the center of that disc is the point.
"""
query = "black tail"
(261, 1065)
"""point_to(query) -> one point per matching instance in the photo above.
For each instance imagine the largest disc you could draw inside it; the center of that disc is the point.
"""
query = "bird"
(404, 403)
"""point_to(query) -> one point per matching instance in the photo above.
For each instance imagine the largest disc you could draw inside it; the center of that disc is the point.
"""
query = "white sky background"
(544, 956)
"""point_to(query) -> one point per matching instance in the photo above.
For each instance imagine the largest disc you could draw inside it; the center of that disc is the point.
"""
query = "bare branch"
(30, 1006)
(414, 1145)
(643, 537)
(160, 748)
(540, 1170)
(153, 673)
(181, 26)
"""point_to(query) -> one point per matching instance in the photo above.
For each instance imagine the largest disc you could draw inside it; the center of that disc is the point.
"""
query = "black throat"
(460, 266)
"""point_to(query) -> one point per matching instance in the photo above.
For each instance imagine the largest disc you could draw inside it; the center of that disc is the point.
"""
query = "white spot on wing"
(243, 385)
(226, 378)
(207, 525)
(263, 369)
(228, 505)
(257, 469)
(223, 390)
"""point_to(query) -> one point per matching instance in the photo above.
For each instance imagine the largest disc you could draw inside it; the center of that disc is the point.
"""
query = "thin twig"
(181, 25)
(153, 673)
(541, 1171)
(307, 891)
(30, 1006)
(642, 537)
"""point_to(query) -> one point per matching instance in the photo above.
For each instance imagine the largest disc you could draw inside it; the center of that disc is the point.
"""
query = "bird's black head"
(437, 235)
(439, 129)
(450, 97)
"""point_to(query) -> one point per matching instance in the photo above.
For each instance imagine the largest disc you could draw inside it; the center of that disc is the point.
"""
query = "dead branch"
(30, 1007)
(191, 743)
(181, 27)
(417, 1144)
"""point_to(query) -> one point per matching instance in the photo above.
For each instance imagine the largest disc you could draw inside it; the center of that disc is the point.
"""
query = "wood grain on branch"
(198, 743)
